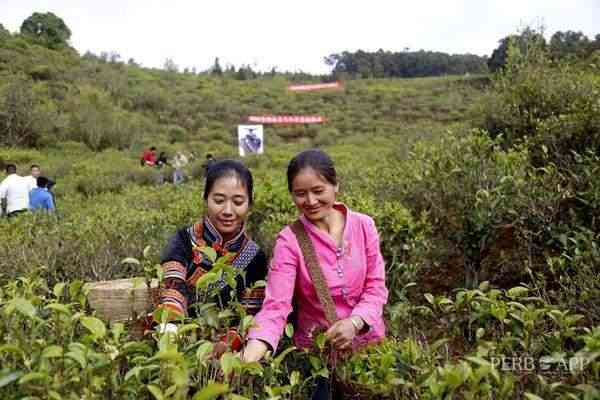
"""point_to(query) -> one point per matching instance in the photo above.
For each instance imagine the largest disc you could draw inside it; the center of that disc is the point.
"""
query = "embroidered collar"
(207, 232)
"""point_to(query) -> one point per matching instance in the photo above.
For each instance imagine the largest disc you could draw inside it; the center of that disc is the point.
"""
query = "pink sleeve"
(281, 280)
(375, 294)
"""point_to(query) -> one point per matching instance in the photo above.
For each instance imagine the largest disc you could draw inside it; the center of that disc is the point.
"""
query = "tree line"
(404, 64)
(569, 44)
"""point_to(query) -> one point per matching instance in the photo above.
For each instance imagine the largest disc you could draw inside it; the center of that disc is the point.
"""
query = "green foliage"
(555, 106)
(103, 102)
(469, 190)
(99, 124)
(47, 29)
(406, 64)
(21, 115)
(523, 42)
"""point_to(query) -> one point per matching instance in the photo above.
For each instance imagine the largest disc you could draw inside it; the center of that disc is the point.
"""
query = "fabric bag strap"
(314, 269)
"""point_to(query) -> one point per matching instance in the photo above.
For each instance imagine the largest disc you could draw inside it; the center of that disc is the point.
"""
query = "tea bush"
(553, 104)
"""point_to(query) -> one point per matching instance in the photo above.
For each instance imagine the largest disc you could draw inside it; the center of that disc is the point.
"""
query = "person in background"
(179, 162)
(40, 198)
(347, 249)
(35, 172)
(161, 161)
(227, 199)
(149, 157)
(210, 161)
(14, 191)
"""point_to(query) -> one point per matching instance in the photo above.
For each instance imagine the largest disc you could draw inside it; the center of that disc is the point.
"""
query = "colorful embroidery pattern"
(252, 300)
(179, 289)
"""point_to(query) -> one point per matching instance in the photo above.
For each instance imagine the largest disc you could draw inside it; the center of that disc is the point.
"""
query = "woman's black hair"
(315, 159)
(227, 168)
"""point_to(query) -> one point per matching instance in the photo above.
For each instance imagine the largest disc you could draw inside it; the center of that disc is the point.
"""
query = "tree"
(48, 29)
(529, 38)
(407, 64)
(18, 114)
(170, 65)
(216, 68)
(569, 43)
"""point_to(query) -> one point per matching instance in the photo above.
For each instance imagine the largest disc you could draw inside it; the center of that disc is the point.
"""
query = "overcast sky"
(295, 35)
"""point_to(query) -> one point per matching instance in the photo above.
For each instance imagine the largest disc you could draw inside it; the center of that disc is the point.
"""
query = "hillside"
(484, 190)
(57, 96)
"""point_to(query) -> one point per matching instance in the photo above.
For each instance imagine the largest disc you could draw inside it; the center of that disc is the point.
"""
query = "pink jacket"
(355, 275)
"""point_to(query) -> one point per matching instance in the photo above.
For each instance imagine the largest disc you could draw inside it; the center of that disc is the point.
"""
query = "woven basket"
(122, 299)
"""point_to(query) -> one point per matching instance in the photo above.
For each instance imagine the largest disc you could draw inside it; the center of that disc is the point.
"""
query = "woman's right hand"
(254, 351)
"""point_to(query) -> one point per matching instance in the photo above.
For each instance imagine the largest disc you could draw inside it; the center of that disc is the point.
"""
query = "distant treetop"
(404, 64)
(47, 28)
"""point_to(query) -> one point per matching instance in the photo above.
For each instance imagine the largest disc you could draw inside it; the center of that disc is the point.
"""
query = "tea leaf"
(52, 352)
(32, 376)
(156, 392)
(77, 356)
(95, 326)
(480, 333)
(9, 377)
(61, 308)
(429, 297)
(277, 360)
(24, 306)
(206, 279)
(204, 351)
(234, 396)
(130, 260)
(58, 289)
(54, 395)
(10, 348)
(247, 322)
(289, 330)
(531, 396)
(211, 391)
(210, 253)
(187, 327)
(146, 251)
(227, 363)
(517, 291)
(135, 371)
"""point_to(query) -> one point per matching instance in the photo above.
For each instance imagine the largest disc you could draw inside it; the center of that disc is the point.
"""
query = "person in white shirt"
(15, 189)
(179, 161)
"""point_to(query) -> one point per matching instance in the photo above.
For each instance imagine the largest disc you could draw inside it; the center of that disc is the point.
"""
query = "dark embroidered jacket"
(184, 263)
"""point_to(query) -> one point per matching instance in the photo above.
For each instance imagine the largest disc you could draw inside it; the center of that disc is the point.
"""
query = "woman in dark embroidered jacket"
(228, 197)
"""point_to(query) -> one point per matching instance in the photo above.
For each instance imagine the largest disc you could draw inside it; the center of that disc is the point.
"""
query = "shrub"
(555, 105)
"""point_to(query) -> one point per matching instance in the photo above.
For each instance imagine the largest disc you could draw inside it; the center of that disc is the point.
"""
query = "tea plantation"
(485, 191)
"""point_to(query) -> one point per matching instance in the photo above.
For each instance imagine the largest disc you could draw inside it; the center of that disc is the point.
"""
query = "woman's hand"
(341, 334)
(254, 351)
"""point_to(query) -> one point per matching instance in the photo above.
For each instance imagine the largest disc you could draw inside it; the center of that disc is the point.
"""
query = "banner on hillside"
(316, 86)
(286, 119)
(250, 139)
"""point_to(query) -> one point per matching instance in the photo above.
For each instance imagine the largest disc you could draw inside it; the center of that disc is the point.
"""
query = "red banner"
(286, 119)
(316, 86)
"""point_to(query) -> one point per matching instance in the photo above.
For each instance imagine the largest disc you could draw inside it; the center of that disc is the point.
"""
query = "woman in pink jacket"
(347, 248)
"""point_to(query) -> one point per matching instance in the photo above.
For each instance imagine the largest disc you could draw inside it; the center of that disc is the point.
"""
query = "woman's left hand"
(341, 334)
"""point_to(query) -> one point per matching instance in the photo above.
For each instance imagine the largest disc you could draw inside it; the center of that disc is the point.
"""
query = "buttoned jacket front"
(354, 272)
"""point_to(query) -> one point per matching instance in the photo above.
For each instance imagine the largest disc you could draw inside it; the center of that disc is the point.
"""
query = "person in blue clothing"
(40, 198)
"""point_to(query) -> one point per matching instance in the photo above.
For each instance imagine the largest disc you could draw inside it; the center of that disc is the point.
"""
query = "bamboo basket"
(122, 299)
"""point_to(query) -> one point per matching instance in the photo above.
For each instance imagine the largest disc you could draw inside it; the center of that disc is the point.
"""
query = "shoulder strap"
(314, 269)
